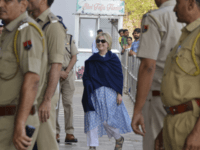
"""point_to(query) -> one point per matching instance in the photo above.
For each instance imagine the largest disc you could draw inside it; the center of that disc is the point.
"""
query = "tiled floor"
(132, 141)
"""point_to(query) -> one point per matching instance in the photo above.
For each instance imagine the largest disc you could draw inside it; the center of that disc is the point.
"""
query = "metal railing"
(124, 62)
(130, 66)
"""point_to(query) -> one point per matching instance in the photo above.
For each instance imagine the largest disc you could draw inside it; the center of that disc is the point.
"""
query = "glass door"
(87, 34)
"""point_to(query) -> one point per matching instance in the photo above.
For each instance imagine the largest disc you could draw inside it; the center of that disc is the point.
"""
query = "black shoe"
(58, 138)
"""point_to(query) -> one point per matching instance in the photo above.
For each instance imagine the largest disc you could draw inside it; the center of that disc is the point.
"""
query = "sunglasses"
(102, 41)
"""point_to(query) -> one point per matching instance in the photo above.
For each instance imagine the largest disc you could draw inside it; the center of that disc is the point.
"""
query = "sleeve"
(55, 36)
(136, 49)
(120, 39)
(132, 46)
(125, 41)
(150, 40)
(122, 42)
(30, 50)
(74, 50)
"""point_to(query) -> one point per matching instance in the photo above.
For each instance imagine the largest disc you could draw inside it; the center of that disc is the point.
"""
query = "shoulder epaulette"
(52, 18)
(149, 12)
(23, 24)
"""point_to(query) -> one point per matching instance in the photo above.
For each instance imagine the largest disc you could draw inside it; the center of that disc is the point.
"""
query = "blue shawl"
(101, 71)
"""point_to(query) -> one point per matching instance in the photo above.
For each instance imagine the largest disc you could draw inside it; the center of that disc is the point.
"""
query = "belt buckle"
(167, 110)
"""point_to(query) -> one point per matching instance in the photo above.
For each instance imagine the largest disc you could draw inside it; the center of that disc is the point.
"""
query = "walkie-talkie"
(30, 130)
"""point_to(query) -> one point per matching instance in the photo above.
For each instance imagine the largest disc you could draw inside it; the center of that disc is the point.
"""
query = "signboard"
(100, 7)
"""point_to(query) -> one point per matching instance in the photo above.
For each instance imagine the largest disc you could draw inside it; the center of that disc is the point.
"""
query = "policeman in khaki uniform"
(67, 86)
(55, 38)
(160, 32)
(181, 83)
(23, 65)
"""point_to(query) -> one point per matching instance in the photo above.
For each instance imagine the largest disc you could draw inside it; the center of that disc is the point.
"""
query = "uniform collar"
(192, 26)
(43, 16)
(15, 23)
(168, 3)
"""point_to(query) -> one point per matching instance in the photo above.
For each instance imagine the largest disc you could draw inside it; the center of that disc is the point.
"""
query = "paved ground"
(132, 141)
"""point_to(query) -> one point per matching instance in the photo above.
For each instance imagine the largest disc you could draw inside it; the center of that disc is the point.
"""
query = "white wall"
(66, 8)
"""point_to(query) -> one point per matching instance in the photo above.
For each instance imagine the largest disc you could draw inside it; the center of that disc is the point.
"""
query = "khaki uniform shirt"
(70, 50)
(177, 86)
(160, 33)
(55, 37)
(32, 60)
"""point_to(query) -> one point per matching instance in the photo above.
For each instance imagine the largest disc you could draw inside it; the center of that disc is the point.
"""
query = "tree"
(135, 9)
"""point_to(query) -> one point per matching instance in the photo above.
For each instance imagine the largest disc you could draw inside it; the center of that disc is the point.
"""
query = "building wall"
(66, 8)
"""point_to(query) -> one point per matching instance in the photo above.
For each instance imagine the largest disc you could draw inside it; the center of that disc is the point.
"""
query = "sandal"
(92, 148)
(119, 143)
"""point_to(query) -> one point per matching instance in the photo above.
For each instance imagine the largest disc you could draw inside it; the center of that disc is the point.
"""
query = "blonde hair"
(108, 39)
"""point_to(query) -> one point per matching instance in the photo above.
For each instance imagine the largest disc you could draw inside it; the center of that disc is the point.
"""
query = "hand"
(44, 110)
(137, 120)
(159, 141)
(124, 47)
(119, 99)
(20, 140)
(130, 53)
(63, 75)
(192, 142)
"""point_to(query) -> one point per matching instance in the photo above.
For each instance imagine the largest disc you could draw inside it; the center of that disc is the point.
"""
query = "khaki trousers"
(154, 114)
(178, 127)
(67, 90)
(46, 139)
(7, 128)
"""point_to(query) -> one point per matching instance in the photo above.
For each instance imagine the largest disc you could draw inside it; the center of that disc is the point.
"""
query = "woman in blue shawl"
(105, 112)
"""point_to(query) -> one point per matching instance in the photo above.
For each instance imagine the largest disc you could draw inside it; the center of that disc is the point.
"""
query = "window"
(87, 35)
